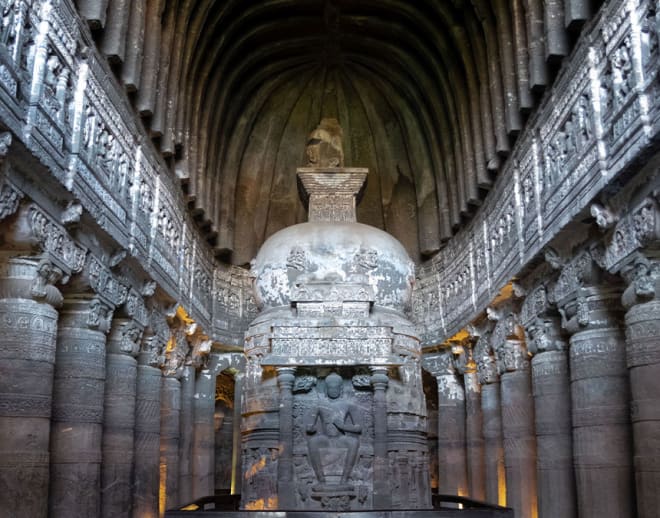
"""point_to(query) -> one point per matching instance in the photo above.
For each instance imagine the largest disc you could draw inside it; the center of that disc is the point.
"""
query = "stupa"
(334, 415)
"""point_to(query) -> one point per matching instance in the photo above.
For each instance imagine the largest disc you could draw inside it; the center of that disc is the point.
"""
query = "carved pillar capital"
(485, 360)
(642, 274)
(638, 229)
(541, 322)
(10, 196)
(125, 337)
(176, 353)
(439, 364)
(586, 296)
(286, 377)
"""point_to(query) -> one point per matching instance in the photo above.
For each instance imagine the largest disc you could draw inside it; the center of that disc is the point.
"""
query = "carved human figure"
(334, 424)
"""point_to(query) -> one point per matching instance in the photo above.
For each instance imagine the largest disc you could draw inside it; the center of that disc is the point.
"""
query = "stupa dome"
(342, 253)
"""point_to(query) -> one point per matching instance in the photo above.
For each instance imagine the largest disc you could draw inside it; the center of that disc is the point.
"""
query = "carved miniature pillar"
(452, 462)
(236, 457)
(77, 425)
(147, 430)
(28, 328)
(602, 436)
(186, 434)
(517, 423)
(204, 432)
(285, 488)
(492, 422)
(474, 439)
(643, 358)
(379, 381)
(119, 418)
(170, 410)
(552, 403)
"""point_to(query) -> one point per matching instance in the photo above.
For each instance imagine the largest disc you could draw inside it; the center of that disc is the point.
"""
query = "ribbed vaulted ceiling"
(429, 94)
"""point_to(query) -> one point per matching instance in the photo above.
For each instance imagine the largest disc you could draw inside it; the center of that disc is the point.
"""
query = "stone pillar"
(186, 434)
(147, 430)
(236, 456)
(204, 431)
(77, 425)
(643, 359)
(492, 421)
(170, 410)
(552, 403)
(285, 488)
(474, 438)
(119, 418)
(452, 460)
(381, 497)
(517, 420)
(602, 437)
(28, 329)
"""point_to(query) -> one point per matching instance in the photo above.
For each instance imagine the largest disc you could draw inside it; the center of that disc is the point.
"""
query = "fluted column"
(517, 419)
(77, 425)
(492, 421)
(119, 418)
(186, 434)
(643, 360)
(452, 463)
(474, 438)
(379, 381)
(28, 329)
(602, 435)
(147, 429)
(204, 431)
(552, 404)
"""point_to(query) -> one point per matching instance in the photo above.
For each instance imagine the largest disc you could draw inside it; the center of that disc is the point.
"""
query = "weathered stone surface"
(78, 391)
(28, 330)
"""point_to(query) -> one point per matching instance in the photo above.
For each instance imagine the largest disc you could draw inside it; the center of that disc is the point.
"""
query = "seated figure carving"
(333, 426)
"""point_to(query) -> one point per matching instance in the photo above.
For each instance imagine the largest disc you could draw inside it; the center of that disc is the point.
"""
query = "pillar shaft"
(519, 442)
(493, 443)
(77, 427)
(118, 432)
(474, 439)
(601, 424)
(452, 463)
(203, 443)
(285, 487)
(236, 456)
(147, 442)
(643, 358)
(382, 497)
(119, 421)
(552, 403)
(28, 332)
(169, 442)
(185, 493)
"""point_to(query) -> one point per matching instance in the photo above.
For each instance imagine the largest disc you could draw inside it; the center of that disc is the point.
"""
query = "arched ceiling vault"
(430, 95)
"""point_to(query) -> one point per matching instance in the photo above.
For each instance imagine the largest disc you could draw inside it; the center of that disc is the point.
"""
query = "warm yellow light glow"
(191, 507)
(501, 478)
(162, 490)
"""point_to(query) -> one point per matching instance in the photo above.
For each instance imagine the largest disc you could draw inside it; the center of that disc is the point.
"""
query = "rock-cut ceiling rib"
(430, 95)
